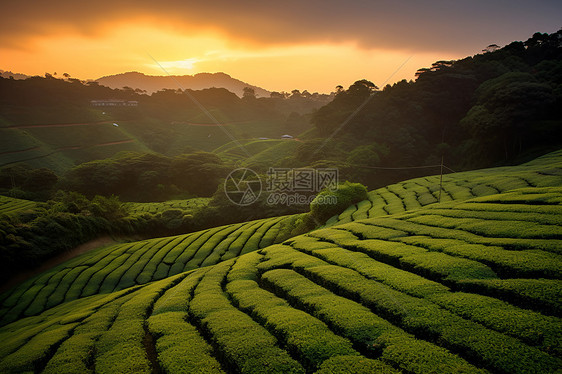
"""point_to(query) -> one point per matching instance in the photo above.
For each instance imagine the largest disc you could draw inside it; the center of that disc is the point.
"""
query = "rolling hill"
(61, 146)
(262, 152)
(153, 83)
(468, 285)
(10, 205)
(415, 193)
(117, 267)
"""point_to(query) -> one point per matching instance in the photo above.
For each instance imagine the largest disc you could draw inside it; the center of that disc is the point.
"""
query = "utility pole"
(441, 180)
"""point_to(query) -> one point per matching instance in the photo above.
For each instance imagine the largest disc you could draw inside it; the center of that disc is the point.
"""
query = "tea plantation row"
(10, 205)
(415, 293)
(466, 286)
(415, 193)
(125, 265)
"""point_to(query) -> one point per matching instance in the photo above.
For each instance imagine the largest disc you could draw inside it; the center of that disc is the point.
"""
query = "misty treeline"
(47, 100)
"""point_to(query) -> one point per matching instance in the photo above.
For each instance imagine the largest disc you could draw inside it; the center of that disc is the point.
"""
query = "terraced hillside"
(61, 146)
(10, 205)
(416, 193)
(257, 153)
(458, 287)
(466, 286)
(125, 265)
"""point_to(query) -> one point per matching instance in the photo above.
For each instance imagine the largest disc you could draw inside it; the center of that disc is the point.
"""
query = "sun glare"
(149, 49)
(176, 66)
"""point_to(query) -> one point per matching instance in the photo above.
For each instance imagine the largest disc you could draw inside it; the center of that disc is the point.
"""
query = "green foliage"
(328, 202)
(146, 177)
(32, 354)
(510, 104)
(542, 294)
(494, 349)
(304, 335)
(468, 285)
(180, 347)
(33, 184)
(27, 238)
(246, 344)
(344, 104)
(371, 332)
(10, 205)
(475, 112)
(353, 365)
(121, 266)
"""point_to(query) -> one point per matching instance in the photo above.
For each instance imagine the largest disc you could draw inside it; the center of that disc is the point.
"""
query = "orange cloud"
(312, 45)
(434, 25)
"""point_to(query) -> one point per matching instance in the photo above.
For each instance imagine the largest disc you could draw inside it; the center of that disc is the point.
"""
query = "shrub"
(369, 331)
(354, 365)
(417, 316)
(304, 335)
(180, 347)
(246, 344)
(345, 195)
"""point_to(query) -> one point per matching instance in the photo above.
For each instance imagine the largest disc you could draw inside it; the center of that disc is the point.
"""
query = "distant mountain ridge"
(8, 74)
(153, 83)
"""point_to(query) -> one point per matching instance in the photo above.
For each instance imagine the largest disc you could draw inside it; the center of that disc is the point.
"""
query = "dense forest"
(498, 107)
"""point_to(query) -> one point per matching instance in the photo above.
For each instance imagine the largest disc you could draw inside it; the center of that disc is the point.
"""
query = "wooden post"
(441, 180)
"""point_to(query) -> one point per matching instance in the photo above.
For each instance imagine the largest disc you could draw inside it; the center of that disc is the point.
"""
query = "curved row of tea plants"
(415, 193)
(10, 205)
(125, 265)
(462, 286)
(458, 287)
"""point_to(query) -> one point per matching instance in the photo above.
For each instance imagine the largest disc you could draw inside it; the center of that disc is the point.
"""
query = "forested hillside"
(498, 107)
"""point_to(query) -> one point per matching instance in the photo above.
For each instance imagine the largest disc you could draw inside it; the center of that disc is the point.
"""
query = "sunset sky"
(282, 45)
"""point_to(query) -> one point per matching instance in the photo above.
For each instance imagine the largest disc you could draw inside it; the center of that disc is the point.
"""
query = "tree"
(364, 155)
(249, 93)
(507, 109)
(362, 88)
(295, 94)
(421, 71)
(40, 180)
(491, 48)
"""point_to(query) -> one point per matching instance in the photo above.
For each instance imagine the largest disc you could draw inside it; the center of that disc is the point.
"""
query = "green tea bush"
(369, 331)
(512, 263)
(402, 280)
(180, 347)
(34, 353)
(121, 348)
(305, 336)
(529, 326)
(246, 344)
(354, 365)
(372, 232)
(422, 317)
(537, 294)
(362, 211)
(345, 195)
